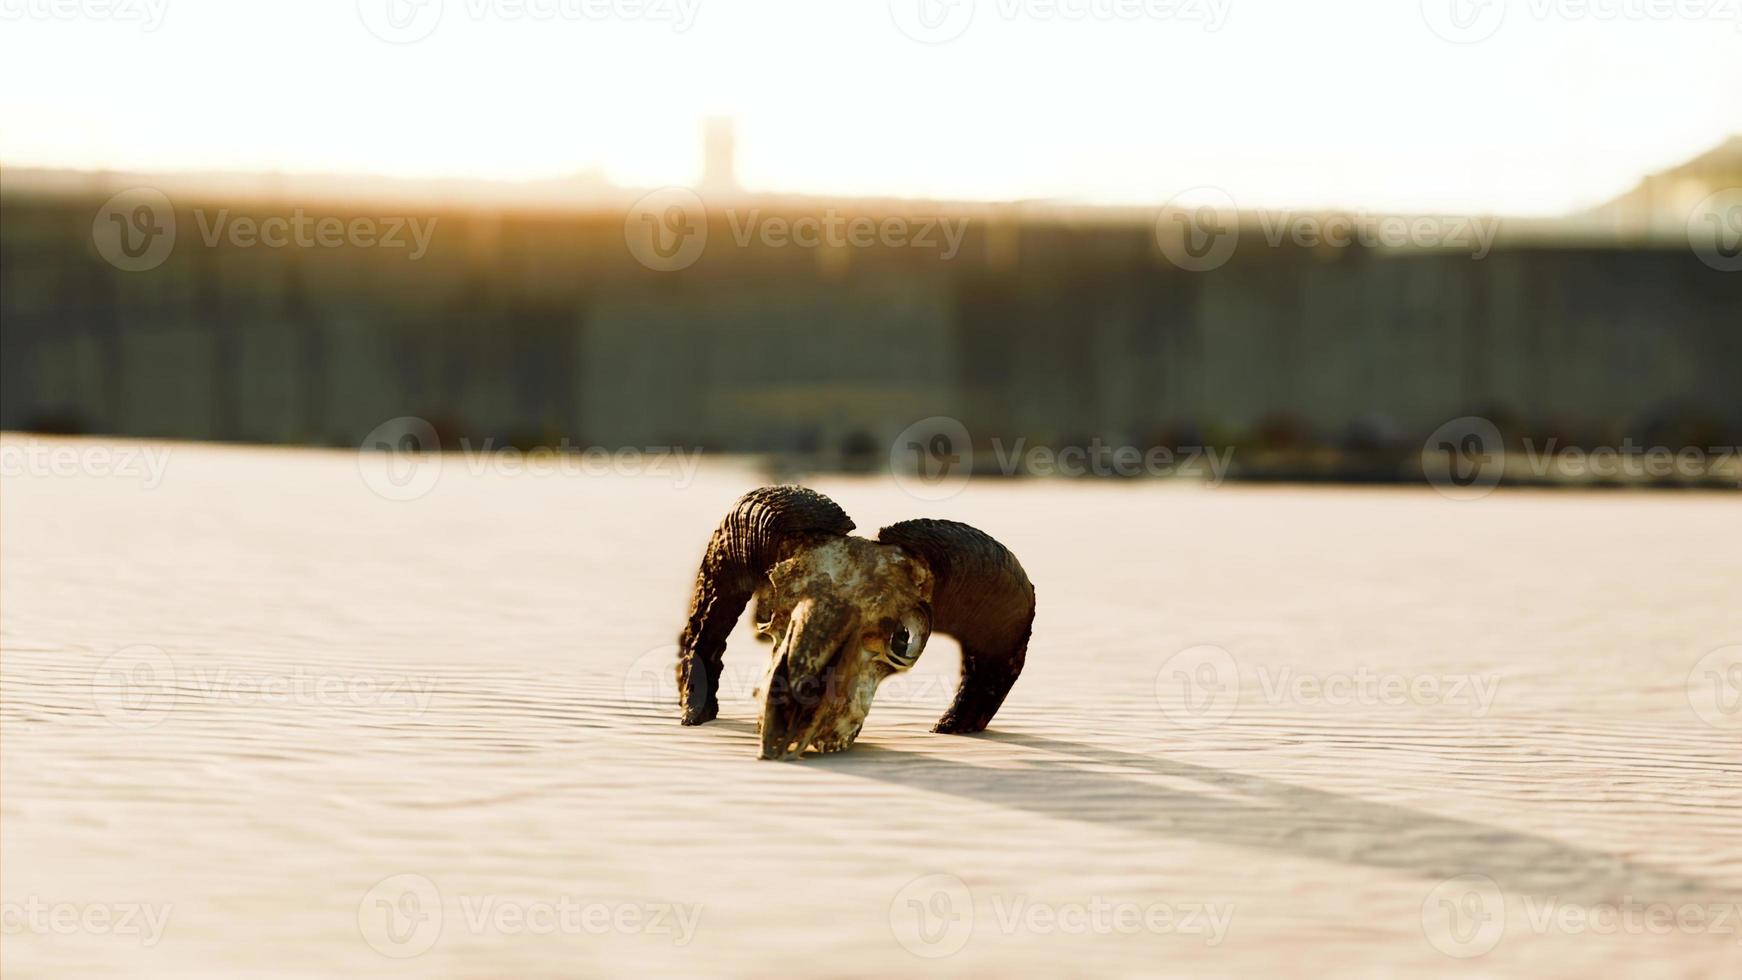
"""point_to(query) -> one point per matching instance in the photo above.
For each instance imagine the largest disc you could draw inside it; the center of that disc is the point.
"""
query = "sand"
(258, 720)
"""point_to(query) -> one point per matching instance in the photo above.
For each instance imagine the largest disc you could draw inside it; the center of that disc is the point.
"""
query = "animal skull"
(845, 612)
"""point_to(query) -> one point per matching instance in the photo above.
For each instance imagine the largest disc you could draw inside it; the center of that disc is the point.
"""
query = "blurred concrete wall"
(538, 327)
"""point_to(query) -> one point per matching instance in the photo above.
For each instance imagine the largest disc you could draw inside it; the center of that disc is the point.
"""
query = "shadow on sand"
(1074, 781)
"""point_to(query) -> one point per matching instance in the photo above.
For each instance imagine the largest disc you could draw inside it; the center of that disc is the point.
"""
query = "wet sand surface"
(258, 720)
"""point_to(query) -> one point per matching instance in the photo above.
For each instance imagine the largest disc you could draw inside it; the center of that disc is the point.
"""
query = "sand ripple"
(256, 693)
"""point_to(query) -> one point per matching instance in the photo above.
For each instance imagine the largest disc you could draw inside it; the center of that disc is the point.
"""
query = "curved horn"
(744, 547)
(983, 598)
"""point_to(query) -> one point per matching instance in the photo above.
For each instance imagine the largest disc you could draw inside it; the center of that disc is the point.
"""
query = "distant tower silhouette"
(719, 169)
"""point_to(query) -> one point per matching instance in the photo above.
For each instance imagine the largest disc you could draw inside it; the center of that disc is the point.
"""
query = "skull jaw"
(827, 723)
(823, 744)
(835, 743)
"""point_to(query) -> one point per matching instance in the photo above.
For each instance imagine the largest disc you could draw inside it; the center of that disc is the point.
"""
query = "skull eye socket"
(905, 644)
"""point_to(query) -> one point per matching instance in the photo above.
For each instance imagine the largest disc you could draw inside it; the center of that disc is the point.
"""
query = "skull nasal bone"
(819, 629)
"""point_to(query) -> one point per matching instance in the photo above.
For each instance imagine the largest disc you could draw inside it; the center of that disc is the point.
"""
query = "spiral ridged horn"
(762, 527)
(983, 598)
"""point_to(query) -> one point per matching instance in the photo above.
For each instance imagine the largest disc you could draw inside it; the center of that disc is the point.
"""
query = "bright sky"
(1356, 103)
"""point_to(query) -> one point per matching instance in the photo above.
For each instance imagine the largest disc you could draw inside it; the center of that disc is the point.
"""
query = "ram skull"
(845, 612)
